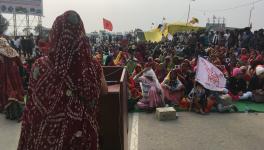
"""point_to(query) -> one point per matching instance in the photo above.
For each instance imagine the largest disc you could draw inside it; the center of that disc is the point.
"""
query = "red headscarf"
(71, 60)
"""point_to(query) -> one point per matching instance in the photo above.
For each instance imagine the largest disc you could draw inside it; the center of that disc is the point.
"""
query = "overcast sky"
(130, 14)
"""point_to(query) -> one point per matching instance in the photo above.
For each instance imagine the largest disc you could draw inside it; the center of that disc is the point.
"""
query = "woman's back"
(64, 90)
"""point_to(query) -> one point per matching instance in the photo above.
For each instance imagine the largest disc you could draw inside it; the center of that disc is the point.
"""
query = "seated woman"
(151, 63)
(237, 86)
(136, 71)
(245, 72)
(166, 66)
(256, 84)
(173, 88)
(244, 56)
(134, 88)
(217, 62)
(134, 92)
(183, 70)
(158, 72)
(222, 102)
(151, 90)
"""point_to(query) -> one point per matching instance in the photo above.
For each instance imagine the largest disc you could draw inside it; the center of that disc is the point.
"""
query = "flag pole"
(250, 16)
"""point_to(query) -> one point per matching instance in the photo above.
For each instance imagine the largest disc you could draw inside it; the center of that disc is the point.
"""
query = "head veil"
(72, 70)
(151, 73)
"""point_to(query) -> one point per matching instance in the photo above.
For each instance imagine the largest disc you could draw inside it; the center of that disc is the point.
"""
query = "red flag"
(107, 24)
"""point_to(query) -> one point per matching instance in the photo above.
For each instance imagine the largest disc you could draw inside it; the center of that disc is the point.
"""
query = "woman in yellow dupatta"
(172, 87)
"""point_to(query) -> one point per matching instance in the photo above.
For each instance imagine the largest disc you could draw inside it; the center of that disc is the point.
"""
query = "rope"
(114, 72)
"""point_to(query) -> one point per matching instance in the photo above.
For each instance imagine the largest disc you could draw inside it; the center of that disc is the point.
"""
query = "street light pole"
(188, 14)
(189, 11)
(250, 13)
(250, 16)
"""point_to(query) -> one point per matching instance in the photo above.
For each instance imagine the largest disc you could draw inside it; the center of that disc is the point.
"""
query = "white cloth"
(246, 96)
(17, 43)
(259, 70)
(215, 39)
(170, 37)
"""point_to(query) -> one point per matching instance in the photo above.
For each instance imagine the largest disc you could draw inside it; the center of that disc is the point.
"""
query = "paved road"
(195, 132)
(190, 132)
(9, 134)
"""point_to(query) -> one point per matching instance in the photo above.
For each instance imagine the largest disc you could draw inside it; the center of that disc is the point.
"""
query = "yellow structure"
(155, 35)
(181, 27)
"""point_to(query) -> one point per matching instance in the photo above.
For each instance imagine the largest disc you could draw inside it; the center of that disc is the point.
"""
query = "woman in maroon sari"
(11, 87)
(64, 90)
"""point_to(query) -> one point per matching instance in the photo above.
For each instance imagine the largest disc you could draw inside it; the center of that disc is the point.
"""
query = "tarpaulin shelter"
(155, 35)
(182, 27)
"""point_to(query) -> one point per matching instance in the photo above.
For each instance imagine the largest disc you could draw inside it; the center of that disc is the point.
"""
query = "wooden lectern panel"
(113, 110)
(114, 88)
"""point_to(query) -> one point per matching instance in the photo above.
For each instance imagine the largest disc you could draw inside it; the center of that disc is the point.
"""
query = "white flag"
(209, 76)
(170, 37)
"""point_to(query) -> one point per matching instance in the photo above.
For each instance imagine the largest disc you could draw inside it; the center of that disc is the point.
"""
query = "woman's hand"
(240, 93)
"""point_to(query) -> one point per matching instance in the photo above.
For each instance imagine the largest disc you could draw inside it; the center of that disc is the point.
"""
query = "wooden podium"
(113, 117)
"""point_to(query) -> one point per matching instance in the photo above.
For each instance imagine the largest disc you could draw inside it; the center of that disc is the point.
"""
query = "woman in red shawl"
(133, 86)
(244, 56)
(11, 86)
(151, 64)
(217, 62)
(64, 90)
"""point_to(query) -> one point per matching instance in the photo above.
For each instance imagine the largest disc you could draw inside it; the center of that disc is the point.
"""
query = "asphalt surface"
(195, 132)
(189, 132)
(9, 133)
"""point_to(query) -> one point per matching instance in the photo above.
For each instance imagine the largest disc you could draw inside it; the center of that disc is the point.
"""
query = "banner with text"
(30, 7)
